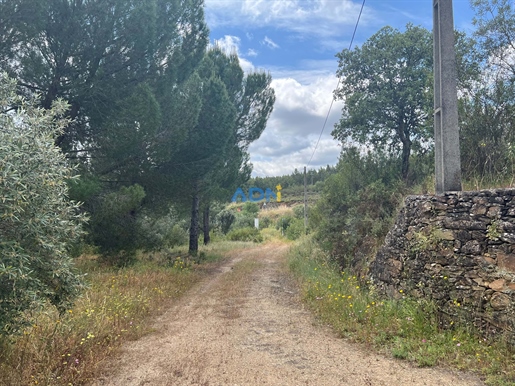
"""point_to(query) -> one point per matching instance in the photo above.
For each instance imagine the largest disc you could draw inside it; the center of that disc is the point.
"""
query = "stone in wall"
(458, 249)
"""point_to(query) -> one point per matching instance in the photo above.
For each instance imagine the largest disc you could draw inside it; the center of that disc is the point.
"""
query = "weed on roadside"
(405, 328)
(69, 349)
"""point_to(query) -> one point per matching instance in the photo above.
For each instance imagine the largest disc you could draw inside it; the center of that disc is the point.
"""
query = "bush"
(284, 222)
(245, 234)
(265, 222)
(177, 236)
(224, 219)
(295, 229)
(243, 221)
(357, 208)
(38, 222)
(115, 227)
(251, 209)
(162, 232)
(298, 211)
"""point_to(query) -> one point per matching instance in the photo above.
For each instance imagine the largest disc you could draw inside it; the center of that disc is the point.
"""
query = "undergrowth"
(69, 349)
(404, 328)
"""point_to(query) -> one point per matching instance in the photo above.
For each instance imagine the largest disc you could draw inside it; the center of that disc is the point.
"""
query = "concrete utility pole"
(447, 141)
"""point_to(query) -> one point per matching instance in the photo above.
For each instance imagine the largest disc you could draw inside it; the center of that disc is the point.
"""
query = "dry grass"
(405, 328)
(70, 349)
(233, 285)
(276, 213)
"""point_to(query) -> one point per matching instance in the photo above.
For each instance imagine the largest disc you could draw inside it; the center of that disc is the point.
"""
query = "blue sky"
(296, 41)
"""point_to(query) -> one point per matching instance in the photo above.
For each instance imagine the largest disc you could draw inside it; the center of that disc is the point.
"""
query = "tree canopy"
(96, 53)
(385, 85)
(487, 112)
(154, 114)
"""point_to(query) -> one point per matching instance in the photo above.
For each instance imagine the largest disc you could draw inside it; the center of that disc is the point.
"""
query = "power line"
(338, 84)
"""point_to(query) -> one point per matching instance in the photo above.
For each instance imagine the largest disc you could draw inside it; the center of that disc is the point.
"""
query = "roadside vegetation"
(403, 328)
(118, 305)
(112, 172)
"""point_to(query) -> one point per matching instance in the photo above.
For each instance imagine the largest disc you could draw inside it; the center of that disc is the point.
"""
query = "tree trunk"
(193, 249)
(207, 238)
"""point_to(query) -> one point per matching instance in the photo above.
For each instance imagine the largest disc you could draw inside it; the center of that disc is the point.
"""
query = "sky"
(296, 42)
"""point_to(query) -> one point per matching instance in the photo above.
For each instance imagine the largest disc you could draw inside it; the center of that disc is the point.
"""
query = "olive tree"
(37, 221)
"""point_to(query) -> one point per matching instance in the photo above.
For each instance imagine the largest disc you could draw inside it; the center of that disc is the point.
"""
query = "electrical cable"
(339, 80)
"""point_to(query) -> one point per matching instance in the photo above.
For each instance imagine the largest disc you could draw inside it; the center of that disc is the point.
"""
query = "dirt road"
(244, 325)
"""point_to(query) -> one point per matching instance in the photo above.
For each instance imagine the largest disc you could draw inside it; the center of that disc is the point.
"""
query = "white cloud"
(303, 98)
(269, 43)
(315, 17)
(302, 104)
(246, 65)
(252, 52)
(327, 154)
(231, 44)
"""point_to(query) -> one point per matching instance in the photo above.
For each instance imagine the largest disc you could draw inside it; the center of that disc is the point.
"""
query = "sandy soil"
(245, 325)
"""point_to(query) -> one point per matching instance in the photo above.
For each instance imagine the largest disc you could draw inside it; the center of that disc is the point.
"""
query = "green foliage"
(487, 113)
(243, 220)
(265, 222)
(225, 219)
(357, 206)
(115, 226)
(407, 328)
(151, 105)
(38, 222)
(296, 179)
(298, 211)
(385, 90)
(121, 44)
(84, 188)
(235, 109)
(295, 229)
(487, 133)
(284, 222)
(250, 208)
(128, 139)
(245, 234)
(158, 232)
(176, 236)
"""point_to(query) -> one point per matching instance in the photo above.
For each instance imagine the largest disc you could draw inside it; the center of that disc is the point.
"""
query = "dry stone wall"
(458, 249)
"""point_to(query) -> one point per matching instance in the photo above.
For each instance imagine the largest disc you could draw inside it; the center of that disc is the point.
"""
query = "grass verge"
(118, 306)
(405, 328)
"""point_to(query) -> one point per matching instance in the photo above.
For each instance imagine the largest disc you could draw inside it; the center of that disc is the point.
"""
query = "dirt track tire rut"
(245, 325)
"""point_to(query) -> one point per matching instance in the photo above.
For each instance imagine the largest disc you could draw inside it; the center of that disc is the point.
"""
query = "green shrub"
(162, 232)
(245, 234)
(295, 229)
(357, 207)
(298, 211)
(224, 220)
(115, 228)
(85, 187)
(37, 221)
(270, 234)
(250, 209)
(243, 221)
(284, 222)
(265, 222)
(177, 236)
